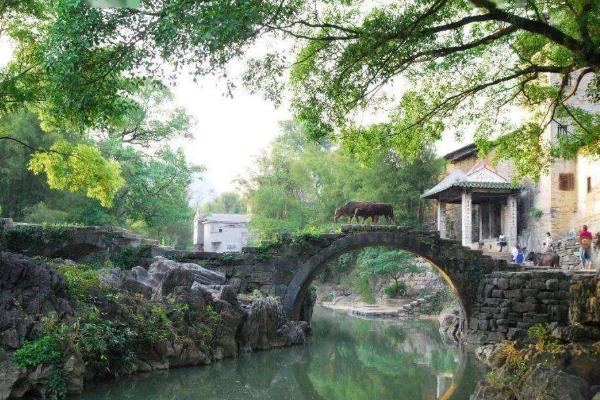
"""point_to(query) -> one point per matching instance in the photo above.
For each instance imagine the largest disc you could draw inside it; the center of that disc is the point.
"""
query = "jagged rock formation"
(191, 296)
(28, 291)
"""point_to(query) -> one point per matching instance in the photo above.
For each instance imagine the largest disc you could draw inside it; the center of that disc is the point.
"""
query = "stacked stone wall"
(568, 250)
(511, 302)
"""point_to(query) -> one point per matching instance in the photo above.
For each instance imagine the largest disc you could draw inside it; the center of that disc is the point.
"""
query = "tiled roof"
(480, 177)
(490, 185)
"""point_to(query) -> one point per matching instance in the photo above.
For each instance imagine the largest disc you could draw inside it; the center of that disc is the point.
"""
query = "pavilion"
(488, 205)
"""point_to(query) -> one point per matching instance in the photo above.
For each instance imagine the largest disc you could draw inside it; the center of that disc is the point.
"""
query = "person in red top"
(585, 249)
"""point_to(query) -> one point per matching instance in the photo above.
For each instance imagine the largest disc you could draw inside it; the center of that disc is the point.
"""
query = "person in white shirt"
(549, 243)
(501, 242)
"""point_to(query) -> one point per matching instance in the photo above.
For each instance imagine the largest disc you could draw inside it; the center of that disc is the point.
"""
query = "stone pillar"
(441, 219)
(466, 219)
(511, 221)
(480, 221)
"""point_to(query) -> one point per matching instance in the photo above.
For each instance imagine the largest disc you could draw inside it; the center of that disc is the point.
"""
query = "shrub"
(540, 335)
(395, 290)
(329, 297)
(81, 279)
(364, 290)
(509, 377)
(45, 350)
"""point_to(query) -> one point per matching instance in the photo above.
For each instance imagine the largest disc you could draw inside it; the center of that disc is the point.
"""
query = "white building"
(220, 233)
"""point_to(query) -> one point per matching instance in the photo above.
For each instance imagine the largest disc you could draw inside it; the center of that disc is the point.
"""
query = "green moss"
(130, 257)
(32, 239)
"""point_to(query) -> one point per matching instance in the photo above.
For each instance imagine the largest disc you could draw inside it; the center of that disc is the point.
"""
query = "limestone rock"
(229, 294)
(175, 278)
(261, 329)
(201, 275)
(28, 291)
(9, 375)
(549, 383)
(450, 324)
(74, 371)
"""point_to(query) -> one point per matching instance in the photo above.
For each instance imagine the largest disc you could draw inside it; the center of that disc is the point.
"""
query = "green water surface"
(347, 358)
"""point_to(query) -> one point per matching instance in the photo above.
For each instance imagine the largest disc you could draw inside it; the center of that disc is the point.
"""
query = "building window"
(231, 247)
(566, 182)
(220, 230)
(589, 184)
(562, 129)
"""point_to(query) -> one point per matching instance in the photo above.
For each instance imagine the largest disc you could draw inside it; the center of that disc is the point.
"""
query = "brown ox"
(549, 259)
(374, 211)
(347, 210)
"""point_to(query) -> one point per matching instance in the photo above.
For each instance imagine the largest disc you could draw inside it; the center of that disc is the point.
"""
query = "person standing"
(549, 243)
(501, 242)
(585, 247)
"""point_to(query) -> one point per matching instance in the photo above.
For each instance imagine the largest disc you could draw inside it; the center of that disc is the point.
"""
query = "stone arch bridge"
(287, 267)
(499, 300)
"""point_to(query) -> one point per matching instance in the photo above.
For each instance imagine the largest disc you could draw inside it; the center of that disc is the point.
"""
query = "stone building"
(220, 233)
(476, 201)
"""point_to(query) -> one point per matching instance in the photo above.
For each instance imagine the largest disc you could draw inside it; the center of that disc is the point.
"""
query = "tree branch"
(533, 26)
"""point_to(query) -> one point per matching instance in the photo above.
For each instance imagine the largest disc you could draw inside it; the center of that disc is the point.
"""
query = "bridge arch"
(460, 267)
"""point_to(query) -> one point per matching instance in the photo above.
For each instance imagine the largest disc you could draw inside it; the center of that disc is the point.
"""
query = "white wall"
(220, 237)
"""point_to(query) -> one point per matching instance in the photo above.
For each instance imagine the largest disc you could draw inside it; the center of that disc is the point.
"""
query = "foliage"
(153, 199)
(535, 213)
(298, 184)
(45, 350)
(541, 336)
(364, 289)
(391, 264)
(81, 278)
(395, 290)
(81, 67)
(227, 202)
(77, 167)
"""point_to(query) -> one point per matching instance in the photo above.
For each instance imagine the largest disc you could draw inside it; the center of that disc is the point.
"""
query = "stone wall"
(568, 250)
(510, 302)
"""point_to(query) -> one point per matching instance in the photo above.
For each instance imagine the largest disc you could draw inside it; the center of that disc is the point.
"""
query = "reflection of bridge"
(498, 299)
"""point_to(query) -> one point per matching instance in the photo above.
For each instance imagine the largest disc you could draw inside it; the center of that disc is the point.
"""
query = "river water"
(347, 358)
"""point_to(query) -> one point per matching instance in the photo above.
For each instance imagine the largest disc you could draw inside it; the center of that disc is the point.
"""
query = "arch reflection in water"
(347, 358)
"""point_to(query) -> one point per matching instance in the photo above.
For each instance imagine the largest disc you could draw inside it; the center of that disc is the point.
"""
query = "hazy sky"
(229, 132)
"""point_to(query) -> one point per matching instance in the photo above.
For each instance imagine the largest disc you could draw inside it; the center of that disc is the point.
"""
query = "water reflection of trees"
(346, 359)
(379, 360)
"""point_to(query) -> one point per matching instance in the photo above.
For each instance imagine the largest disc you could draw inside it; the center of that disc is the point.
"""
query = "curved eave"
(506, 187)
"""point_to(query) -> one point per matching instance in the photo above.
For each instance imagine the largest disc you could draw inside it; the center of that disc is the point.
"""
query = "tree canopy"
(298, 183)
(152, 198)
(459, 63)
(227, 202)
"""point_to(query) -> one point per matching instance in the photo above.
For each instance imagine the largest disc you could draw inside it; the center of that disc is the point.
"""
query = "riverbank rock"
(204, 276)
(449, 320)
(550, 383)
(203, 319)
(28, 291)
(266, 326)
(161, 278)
